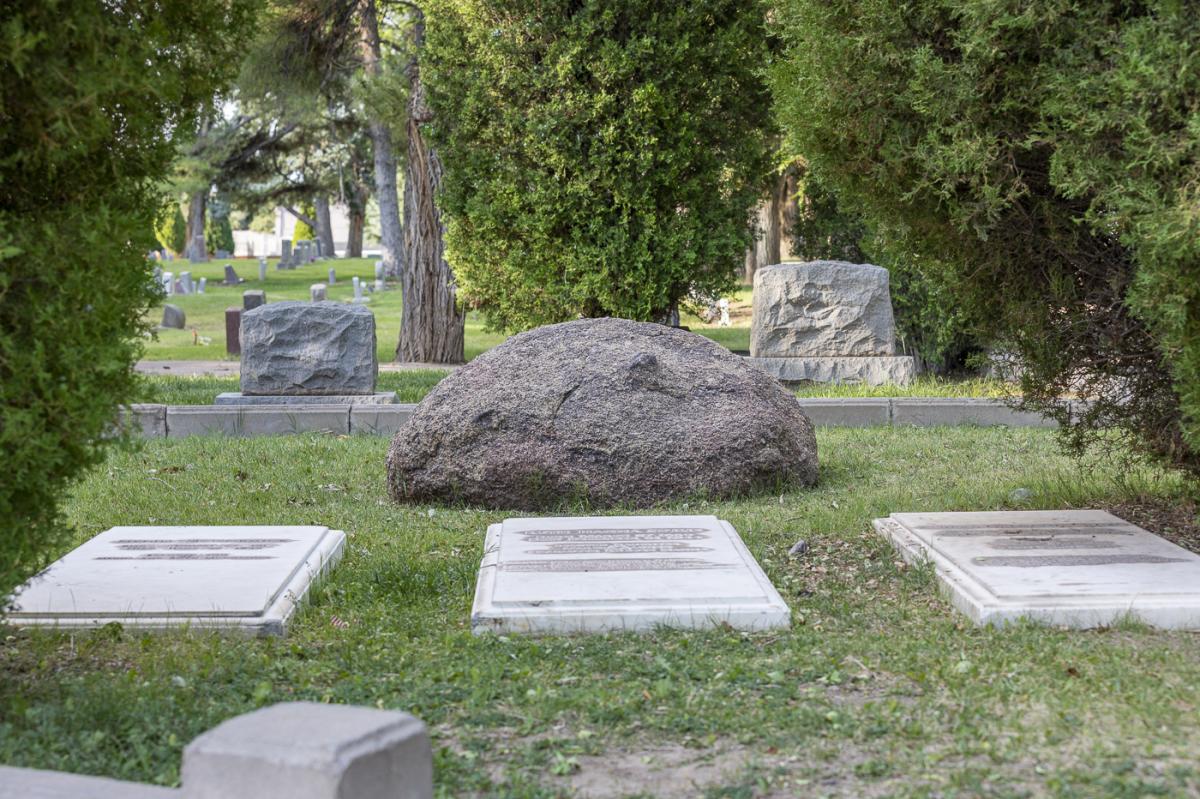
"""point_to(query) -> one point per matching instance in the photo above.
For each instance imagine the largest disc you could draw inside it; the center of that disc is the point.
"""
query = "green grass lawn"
(878, 688)
(206, 312)
(412, 386)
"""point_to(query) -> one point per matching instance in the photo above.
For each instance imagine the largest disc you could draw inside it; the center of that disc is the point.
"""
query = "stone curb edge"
(178, 421)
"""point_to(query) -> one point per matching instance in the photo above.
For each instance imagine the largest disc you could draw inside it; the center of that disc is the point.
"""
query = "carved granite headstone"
(826, 321)
(321, 352)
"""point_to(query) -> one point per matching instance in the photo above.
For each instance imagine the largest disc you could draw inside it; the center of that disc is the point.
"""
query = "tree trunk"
(195, 249)
(386, 194)
(431, 327)
(775, 218)
(354, 238)
(324, 227)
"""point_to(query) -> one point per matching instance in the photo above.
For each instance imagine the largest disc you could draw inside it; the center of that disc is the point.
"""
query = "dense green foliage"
(601, 157)
(218, 234)
(304, 231)
(171, 228)
(88, 93)
(1045, 156)
(931, 324)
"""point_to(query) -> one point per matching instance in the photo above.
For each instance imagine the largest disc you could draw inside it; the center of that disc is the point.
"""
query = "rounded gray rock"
(607, 411)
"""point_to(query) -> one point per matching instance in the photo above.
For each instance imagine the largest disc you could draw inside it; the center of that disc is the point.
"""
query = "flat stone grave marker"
(243, 578)
(1076, 568)
(635, 573)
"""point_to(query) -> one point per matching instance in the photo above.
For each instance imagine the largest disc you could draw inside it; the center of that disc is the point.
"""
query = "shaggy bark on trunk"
(386, 194)
(776, 216)
(324, 227)
(354, 237)
(431, 327)
(196, 249)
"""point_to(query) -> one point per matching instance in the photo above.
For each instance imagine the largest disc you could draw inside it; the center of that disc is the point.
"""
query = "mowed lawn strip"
(878, 689)
(413, 385)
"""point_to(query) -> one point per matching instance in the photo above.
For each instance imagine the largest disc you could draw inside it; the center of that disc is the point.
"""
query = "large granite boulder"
(822, 308)
(301, 348)
(607, 410)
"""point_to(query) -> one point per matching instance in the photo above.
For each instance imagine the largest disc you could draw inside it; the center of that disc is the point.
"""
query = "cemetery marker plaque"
(247, 578)
(1080, 568)
(595, 574)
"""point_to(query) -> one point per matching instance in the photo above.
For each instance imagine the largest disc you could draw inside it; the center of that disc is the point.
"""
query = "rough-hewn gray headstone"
(308, 348)
(253, 298)
(173, 317)
(822, 308)
(616, 411)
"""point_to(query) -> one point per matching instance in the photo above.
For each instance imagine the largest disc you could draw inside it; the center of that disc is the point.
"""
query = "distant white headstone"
(200, 287)
(168, 279)
(332, 276)
(588, 574)
(262, 269)
(1078, 568)
(249, 578)
(317, 292)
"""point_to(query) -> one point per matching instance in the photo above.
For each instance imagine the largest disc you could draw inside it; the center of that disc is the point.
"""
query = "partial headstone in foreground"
(173, 317)
(826, 322)
(314, 353)
(243, 578)
(1075, 568)
(253, 298)
(233, 331)
(231, 276)
(621, 573)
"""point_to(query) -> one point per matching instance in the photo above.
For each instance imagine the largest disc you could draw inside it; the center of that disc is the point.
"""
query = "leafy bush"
(171, 230)
(218, 234)
(304, 231)
(88, 92)
(1045, 158)
(931, 324)
(601, 157)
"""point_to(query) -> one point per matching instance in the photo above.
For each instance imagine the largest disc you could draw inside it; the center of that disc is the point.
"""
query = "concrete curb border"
(179, 421)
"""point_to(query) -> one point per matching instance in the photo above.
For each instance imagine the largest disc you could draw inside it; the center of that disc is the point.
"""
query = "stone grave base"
(621, 573)
(238, 398)
(245, 578)
(1081, 568)
(874, 370)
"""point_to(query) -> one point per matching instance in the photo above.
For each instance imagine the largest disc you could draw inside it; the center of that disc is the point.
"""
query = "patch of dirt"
(665, 771)
(1173, 519)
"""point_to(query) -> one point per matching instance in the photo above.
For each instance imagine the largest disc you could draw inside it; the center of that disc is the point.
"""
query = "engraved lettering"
(617, 548)
(1034, 561)
(610, 565)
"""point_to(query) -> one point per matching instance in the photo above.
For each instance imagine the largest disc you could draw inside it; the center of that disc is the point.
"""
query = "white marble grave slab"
(592, 574)
(1078, 568)
(247, 578)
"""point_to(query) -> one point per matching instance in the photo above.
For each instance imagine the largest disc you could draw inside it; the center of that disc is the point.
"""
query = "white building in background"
(251, 243)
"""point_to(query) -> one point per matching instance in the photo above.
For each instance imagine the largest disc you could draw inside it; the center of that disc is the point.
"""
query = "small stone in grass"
(798, 549)
(1021, 495)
